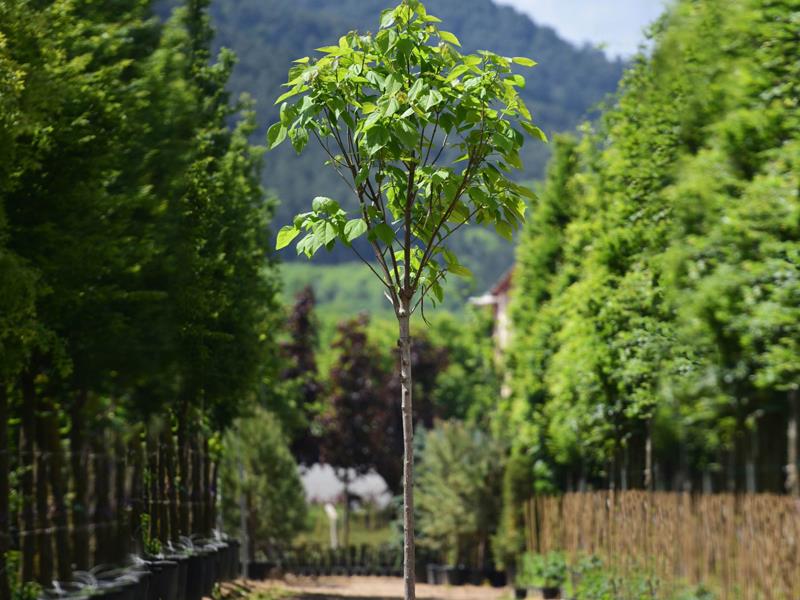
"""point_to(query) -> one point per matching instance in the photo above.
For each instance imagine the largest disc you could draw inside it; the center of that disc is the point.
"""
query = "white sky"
(618, 24)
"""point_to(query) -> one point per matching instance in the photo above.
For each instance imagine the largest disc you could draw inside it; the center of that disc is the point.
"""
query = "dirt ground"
(374, 588)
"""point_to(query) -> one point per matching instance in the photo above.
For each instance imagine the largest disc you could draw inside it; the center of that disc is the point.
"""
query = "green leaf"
(299, 138)
(504, 229)
(354, 229)
(329, 233)
(449, 37)
(324, 204)
(276, 134)
(286, 234)
(286, 95)
(534, 131)
(459, 270)
(384, 233)
(525, 62)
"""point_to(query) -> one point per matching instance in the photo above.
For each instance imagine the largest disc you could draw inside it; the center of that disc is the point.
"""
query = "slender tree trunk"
(80, 481)
(213, 516)
(623, 474)
(52, 441)
(346, 514)
(153, 492)
(409, 575)
(5, 521)
(208, 523)
(183, 468)
(123, 535)
(28, 426)
(44, 476)
(137, 490)
(751, 478)
(792, 480)
(244, 552)
(161, 489)
(102, 521)
(172, 488)
(648, 457)
(197, 496)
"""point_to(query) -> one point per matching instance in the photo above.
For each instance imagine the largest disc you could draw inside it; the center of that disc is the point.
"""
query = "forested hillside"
(657, 292)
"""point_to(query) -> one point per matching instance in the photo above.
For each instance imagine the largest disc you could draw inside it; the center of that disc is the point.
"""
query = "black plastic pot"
(209, 571)
(165, 580)
(182, 560)
(475, 576)
(497, 579)
(432, 572)
(452, 575)
(145, 583)
(194, 577)
(520, 593)
(259, 570)
(550, 593)
(234, 565)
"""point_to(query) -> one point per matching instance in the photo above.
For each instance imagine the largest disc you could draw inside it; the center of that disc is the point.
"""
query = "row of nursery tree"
(656, 301)
(137, 299)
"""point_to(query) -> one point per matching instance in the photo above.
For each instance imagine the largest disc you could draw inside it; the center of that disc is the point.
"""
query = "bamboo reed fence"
(744, 547)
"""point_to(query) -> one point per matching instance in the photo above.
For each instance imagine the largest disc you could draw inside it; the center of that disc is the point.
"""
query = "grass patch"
(369, 526)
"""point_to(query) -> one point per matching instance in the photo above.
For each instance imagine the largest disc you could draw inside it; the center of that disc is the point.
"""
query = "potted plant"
(546, 572)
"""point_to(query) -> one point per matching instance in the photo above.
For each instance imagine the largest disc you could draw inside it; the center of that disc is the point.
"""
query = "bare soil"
(373, 588)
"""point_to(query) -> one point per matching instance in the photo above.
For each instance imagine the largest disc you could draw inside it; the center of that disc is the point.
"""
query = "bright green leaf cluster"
(426, 138)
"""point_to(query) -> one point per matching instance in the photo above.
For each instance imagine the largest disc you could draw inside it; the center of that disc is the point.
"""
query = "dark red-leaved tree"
(356, 409)
(300, 373)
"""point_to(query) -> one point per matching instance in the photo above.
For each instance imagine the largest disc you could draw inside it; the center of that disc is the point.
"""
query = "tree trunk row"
(83, 496)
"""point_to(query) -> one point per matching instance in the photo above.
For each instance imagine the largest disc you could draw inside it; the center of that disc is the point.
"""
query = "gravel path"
(375, 588)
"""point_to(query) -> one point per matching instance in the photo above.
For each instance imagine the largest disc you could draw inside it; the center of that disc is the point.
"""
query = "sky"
(617, 24)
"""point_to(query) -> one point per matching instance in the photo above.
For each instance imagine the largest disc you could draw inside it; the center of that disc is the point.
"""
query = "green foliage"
(267, 34)
(458, 487)
(135, 273)
(20, 590)
(385, 108)
(657, 281)
(258, 466)
(542, 570)
(467, 385)
(591, 579)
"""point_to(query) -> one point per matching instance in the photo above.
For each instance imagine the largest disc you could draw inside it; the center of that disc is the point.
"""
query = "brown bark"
(208, 524)
(44, 475)
(409, 576)
(212, 516)
(153, 491)
(137, 490)
(52, 442)
(27, 448)
(792, 479)
(80, 481)
(161, 488)
(172, 483)
(183, 468)
(5, 591)
(196, 493)
(648, 457)
(121, 507)
(102, 517)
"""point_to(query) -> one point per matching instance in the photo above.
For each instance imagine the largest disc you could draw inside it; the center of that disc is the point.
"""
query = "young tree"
(425, 138)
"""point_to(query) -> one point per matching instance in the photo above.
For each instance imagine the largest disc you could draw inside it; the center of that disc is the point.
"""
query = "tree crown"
(425, 137)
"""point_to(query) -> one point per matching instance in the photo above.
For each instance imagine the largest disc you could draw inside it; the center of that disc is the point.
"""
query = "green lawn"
(368, 526)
